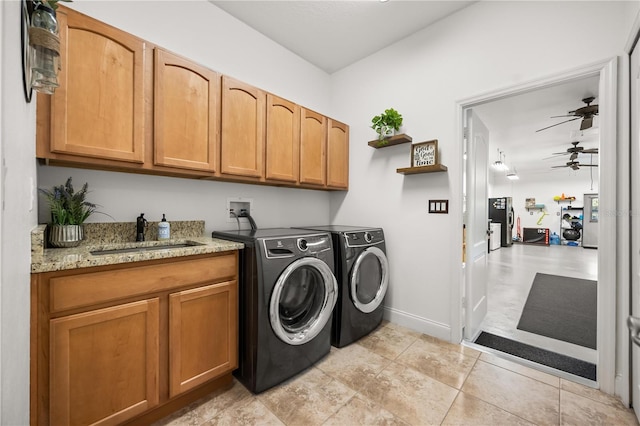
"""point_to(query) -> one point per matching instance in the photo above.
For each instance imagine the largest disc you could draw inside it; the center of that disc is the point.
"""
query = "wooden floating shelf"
(393, 140)
(425, 169)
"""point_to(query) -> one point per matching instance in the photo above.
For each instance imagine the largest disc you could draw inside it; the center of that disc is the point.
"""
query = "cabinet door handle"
(634, 326)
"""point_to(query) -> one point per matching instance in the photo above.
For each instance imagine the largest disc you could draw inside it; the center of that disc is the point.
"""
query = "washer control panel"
(293, 246)
(364, 238)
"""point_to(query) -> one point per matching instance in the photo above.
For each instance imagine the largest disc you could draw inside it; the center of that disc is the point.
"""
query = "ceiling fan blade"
(587, 122)
(557, 167)
(590, 151)
(557, 124)
(569, 115)
(588, 165)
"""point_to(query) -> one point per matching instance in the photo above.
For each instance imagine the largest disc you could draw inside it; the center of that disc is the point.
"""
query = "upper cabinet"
(99, 109)
(283, 140)
(337, 155)
(128, 105)
(313, 146)
(186, 113)
(243, 129)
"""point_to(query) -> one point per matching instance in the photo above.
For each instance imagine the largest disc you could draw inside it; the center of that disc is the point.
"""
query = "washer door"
(302, 300)
(369, 279)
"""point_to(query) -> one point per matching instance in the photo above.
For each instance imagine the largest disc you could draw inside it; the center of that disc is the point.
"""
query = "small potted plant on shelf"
(69, 210)
(386, 124)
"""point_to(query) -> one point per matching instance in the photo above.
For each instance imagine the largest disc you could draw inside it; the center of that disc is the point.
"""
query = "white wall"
(17, 135)
(485, 47)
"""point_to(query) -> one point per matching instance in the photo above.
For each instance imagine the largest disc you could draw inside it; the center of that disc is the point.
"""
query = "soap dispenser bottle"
(164, 229)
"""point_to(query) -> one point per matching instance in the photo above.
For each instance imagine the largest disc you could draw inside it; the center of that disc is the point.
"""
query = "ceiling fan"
(586, 113)
(575, 165)
(575, 150)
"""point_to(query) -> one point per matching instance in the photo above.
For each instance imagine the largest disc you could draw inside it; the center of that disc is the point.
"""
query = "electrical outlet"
(237, 206)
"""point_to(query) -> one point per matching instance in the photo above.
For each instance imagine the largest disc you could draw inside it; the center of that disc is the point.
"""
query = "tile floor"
(510, 274)
(396, 376)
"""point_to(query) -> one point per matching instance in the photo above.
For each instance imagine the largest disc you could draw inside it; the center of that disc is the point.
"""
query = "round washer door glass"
(302, 300)
(369, 279)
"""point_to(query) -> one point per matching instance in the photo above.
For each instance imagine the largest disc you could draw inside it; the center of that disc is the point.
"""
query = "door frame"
(607, 263)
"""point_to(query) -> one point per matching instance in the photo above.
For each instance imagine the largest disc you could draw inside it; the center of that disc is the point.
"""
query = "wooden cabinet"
(105, 364)
(313, 146)
(186, 113)
(283, 140)
(243, 129)
(125, 104)
(99, 109)
(132, 342)
(337, 155)
(202, 335)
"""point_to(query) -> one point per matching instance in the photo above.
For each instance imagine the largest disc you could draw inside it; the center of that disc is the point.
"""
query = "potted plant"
(69, 210)
(386, 123)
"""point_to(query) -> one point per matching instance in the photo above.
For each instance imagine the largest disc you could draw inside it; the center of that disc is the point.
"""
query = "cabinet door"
(104, 364)
(99, 109)
(283, 139)
(185, 113)
(338, 155)
(203, 335)
(242, 137)
(313, 141)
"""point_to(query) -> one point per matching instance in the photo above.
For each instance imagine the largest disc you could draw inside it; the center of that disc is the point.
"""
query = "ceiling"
(513, 121)
(335, 34)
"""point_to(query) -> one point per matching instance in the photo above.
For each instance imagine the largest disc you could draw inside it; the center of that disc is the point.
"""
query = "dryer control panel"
(364, 238)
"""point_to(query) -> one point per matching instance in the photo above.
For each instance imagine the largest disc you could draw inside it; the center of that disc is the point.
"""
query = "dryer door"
(369, 279)
(302, 300)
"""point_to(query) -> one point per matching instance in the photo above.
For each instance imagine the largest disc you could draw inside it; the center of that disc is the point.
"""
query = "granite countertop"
(100, 237)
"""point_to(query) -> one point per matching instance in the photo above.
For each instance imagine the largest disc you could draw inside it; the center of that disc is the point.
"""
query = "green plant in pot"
(69, 210)
(386, 124)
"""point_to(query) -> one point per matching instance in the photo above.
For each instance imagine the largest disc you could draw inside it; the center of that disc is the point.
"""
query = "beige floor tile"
(245, 413)
(361, 411)
(353, 365)
(208, 407)
(467, 410)
(452, 346)
(521, 369)
(410, 395)
(438, 361)
(308, 399)
(578, 410)
(591, 393)
(513, 392)
(389, 340)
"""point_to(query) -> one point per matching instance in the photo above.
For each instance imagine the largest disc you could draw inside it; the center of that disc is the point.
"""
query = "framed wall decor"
(424, 154)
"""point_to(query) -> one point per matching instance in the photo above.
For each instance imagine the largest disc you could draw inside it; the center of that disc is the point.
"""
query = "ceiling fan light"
(500, 166)
(513, 176)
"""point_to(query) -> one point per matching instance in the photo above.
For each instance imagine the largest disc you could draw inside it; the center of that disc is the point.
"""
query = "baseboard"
(414, 322)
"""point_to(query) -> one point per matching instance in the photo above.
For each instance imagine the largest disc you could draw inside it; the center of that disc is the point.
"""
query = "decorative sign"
(424, 154)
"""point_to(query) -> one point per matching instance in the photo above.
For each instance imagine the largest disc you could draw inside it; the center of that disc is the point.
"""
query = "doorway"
(606, 75)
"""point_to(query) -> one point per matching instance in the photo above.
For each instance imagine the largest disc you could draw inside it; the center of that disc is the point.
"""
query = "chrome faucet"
(141, 224)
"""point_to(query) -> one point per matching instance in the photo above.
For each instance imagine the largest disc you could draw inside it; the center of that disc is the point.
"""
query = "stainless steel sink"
(142, 249)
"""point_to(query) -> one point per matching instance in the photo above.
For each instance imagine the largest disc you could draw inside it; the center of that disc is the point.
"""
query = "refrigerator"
(501, 211)
(590, 221)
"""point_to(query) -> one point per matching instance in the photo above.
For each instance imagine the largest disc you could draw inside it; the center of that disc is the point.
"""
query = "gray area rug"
(562, 308)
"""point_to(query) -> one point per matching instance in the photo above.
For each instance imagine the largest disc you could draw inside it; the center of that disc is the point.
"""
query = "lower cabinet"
(120, 344)
(104, 364)
(202, 335)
